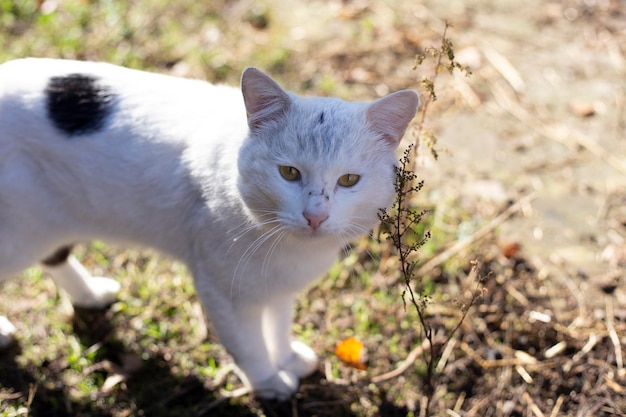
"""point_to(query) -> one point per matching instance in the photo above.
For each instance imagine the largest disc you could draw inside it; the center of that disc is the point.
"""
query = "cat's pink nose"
(315, 219)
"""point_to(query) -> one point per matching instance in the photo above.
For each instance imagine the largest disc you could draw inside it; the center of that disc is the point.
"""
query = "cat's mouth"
(309, 233)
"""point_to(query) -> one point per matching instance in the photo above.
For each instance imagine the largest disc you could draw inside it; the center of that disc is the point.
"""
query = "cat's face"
(318, 166)
(318, 175)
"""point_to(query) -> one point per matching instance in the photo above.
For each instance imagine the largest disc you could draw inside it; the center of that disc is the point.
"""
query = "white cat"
(255, 192)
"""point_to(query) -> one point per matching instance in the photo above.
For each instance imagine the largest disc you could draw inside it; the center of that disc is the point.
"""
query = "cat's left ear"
(265, 100)
(391, 115)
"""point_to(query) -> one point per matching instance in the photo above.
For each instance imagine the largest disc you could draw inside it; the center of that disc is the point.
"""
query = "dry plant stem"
(424, 406)
(557, 406)
(410, 360)
(569, 284)
(445, 51)
(220, 379)
(619, 360)
(531, 405)
(224, 396)
(505, 68)
(530, 362)
(32, 390)
(403, 222)
(479, 234)
(429, 98)
(480, 404)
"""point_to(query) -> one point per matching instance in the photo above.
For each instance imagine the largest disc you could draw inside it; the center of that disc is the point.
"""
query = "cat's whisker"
(352, 231)
(344, 242)
(269, 215)
(249, 253)
(270, 250)
(268, 236)
(361, 230)
(268, 255)
(245, 257)
(344, 239)
(355, 230)
(344, 246)
(249, 228)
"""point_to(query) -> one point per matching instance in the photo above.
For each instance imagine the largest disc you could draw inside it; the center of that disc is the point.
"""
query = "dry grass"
(542, 341)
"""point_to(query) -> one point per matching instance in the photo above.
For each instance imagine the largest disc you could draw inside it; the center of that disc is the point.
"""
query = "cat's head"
(319, 166)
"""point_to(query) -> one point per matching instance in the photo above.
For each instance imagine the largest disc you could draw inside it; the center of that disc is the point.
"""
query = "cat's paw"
(102, 293)
(281, 386)
(303, 360)
(7, 333)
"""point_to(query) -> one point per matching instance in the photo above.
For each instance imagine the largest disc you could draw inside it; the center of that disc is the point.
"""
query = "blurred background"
(530, 182)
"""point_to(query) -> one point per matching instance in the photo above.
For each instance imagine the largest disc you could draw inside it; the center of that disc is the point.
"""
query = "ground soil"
(542, 115)
(538, 129)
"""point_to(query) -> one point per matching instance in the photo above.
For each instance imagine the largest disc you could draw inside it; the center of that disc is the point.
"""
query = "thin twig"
(566, 279)
(505, 68)
(410, 359)
(32, 390)
(619, 360)
(479, 234)
(404, 365)
(224, 395)
(557, 406)
(220, 378)
(593, 340)
(532, 406)
(479, 404)
(406, 218)
(431, 94)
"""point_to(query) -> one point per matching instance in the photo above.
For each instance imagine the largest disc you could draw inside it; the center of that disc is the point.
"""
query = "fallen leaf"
(510, 249)
(352, 352)
(111, 382)
(582, 108)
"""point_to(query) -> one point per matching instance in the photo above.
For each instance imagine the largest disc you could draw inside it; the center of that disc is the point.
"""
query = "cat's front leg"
(303, 360)
(253, 356)
(290, 355)
(84, 290)
(239, 327)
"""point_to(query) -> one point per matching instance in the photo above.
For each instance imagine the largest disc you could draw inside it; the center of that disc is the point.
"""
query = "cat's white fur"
(191, 169)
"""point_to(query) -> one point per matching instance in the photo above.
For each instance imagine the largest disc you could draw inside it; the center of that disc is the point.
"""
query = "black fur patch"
(59, 257)
(77, 104)
(321, 119)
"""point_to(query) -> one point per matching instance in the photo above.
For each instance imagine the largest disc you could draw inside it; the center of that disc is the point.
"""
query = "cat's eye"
(289, 173)
(348, 180)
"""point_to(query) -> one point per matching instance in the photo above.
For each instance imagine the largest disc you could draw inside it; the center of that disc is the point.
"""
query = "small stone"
(582, 108)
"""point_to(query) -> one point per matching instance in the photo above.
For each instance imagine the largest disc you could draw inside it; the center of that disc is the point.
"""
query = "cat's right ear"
(266, 102)
(390, 116)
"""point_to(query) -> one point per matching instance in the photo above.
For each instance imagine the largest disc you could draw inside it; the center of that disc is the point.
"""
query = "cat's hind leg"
(68, 273)
(12, 261)
(84, 290)
(7, 332)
